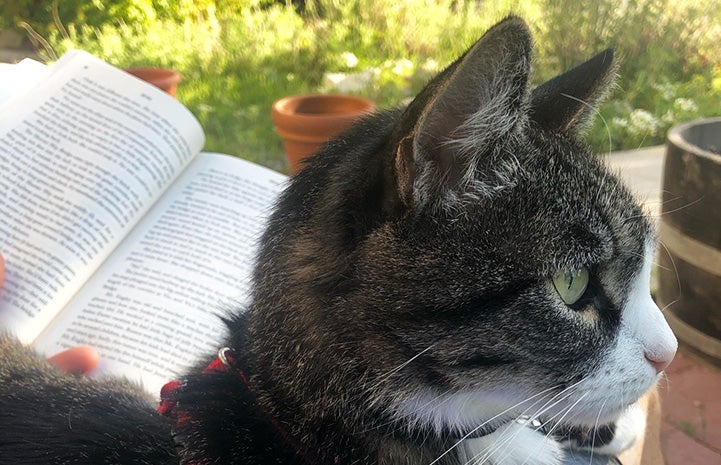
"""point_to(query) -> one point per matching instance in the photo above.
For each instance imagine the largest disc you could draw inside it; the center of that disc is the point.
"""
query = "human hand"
(78, 360)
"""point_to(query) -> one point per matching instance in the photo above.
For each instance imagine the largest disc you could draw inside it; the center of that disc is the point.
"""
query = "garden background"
(238, 56)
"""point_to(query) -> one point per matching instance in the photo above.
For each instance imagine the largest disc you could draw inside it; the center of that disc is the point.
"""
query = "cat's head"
(468, 259)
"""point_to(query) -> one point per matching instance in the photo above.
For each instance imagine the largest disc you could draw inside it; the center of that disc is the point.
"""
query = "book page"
(154, 307)
(83, 156)
(20, 77)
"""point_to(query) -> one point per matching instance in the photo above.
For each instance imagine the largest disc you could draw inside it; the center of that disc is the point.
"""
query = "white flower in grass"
(349, 59)
(643, 122)
(669, 117)
(403, 67)
(685, 104)
(431, 65)
(349, 82)
(619, 122)
(205, 108)
(668, 91)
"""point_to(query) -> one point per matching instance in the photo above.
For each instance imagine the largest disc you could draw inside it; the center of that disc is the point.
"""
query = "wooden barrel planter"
(689, 269)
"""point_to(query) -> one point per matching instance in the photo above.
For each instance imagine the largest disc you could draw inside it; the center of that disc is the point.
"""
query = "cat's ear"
(566, 102)
(464, 113)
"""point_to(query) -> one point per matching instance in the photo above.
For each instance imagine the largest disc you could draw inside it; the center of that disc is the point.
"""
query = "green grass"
(236, 61)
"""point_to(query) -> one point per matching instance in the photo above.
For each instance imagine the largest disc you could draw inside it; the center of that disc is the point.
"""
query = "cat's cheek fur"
(627, 371)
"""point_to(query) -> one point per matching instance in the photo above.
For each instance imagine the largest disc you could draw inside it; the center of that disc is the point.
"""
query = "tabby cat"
(457, 282)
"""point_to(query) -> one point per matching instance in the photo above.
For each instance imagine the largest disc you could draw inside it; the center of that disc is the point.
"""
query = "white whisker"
(684, 206)
(598, 113)
(385, 376)
(594, 431)
(509, 409)
(675, 270)
(507, 438)
(428, 404)
(566, 410)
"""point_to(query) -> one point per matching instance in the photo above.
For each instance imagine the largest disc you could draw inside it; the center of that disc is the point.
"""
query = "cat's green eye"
(571, 285)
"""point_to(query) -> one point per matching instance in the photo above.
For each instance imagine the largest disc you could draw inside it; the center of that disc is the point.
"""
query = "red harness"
(221, 364)
(169, 406)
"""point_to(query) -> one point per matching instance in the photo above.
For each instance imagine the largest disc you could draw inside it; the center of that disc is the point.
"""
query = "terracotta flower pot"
(162, 78)
(306, 122)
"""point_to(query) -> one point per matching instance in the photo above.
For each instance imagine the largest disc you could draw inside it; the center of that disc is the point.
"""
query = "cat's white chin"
(512, 443)
(630, 427)
(516, 443)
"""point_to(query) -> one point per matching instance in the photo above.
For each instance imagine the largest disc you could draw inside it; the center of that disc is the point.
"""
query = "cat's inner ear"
(567, 102)
(462, 114)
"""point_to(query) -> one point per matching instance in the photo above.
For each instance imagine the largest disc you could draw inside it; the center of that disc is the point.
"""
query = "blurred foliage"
(238, 56)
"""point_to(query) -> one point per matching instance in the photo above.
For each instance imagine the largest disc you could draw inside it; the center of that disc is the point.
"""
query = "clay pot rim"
(161, 76)
(285, 107)
(677, 136)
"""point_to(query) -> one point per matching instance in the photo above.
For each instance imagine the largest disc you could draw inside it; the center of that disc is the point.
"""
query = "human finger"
(78, 360)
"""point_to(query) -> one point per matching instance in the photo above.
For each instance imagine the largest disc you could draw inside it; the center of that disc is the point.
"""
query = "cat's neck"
(313, 408)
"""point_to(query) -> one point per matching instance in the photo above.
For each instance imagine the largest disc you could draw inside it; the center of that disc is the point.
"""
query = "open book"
(116, 231)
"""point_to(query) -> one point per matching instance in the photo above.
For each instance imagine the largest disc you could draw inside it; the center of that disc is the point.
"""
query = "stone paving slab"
(691, 411)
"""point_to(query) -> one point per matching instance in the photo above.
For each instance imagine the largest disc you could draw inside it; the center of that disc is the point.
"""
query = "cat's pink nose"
(660, 360)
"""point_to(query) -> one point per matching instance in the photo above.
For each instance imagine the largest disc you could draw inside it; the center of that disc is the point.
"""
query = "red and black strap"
(224, 362)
